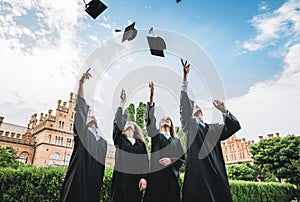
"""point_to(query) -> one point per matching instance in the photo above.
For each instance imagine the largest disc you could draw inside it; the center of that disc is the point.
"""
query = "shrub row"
(44, 185)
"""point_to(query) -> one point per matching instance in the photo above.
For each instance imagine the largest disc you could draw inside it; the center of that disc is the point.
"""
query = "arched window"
(24, 157)
(54, 159)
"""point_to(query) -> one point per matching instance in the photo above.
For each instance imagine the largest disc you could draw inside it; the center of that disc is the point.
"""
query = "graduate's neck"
(92, 126)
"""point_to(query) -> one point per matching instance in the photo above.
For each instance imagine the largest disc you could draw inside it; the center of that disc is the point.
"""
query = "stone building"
(47, 140)
(236, 150)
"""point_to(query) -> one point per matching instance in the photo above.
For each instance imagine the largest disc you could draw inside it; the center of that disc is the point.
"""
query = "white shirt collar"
(132, 140)
(95, 133)
(167, 135)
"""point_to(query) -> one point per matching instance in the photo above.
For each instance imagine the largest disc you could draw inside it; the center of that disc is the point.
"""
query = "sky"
(253, 46)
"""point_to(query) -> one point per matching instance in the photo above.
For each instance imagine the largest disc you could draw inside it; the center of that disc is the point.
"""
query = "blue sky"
(254, 45)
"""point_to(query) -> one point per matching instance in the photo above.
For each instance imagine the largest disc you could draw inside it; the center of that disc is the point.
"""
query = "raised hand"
(85, 76)
(220, 106)
(186, 68)
(142, 184)
(151, 89)
(123, 95)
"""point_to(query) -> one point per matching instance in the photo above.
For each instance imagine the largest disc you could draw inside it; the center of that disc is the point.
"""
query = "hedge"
(44, 185)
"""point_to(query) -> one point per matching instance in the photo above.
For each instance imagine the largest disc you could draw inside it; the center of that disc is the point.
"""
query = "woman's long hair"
(172, 128)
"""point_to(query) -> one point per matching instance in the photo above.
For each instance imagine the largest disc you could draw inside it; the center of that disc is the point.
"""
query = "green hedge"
(44, 184)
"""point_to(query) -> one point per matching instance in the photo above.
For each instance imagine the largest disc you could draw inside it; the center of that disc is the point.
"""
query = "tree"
(278, 155)
(240, 172)
(140, 115)
(130, 111)
(8, 157)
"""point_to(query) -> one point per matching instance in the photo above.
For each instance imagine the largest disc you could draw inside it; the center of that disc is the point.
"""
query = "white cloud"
(39, 55)
(271, 26)
(273, 106)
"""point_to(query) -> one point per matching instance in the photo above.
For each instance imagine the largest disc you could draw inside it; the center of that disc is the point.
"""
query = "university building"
(236, 150)
(48, 139)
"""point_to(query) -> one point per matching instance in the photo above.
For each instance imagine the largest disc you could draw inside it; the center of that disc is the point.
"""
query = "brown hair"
(138, 132)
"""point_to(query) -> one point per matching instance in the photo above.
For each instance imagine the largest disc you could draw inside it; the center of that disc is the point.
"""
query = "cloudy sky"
(254, 46)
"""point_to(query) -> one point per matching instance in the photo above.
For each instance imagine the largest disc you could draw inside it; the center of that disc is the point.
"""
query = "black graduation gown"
(131, 164)
(86, 170)
(163, 185)
(205, 176)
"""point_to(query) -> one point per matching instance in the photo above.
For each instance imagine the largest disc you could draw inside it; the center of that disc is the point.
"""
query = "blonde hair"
(172, 129)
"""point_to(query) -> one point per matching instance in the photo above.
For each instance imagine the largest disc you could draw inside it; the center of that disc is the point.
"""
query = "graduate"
(85, 172)
(167, 156)
(131, 159)
(205, 175)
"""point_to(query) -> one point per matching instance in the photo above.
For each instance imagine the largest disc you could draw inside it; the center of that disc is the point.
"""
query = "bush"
(29, 183)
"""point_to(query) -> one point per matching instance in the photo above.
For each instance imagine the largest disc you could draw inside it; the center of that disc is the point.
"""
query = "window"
(67, 159)
(71, 126)
(72, 115)
(59, 124)
(49, 139)
(54, 159)
(69, 143)
(242, 155)
(24, 157)
(58, 140)
(65, 116)
(62, 125)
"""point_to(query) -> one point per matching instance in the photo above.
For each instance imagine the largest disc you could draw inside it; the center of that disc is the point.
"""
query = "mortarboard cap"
(177, 1)
(129, 33)
(94, 8)
(156, 45)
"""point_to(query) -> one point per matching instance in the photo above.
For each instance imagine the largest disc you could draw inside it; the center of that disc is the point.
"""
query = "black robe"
(163, 185)
(205, 176)
(131, 164)
(86, 168)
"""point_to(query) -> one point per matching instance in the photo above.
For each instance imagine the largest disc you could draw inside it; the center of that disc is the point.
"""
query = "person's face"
(198, 112)
(92, 122)
(166, 121)
(128, 129)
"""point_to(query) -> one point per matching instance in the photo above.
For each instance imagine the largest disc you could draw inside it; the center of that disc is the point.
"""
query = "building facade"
(236, 150)
(47, 140)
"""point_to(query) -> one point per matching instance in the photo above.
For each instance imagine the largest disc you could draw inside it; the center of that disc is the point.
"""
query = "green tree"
(278, 155)
(8, 157)
(182, 137)
(240, 172)
(130, 111)
(140, 115)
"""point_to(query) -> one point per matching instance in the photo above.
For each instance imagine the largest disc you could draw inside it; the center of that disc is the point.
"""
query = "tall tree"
(278, 156)
(140, 115)
(130, 111)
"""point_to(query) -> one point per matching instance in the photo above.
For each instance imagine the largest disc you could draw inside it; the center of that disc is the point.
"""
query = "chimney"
(42, 117)
(1, 119)
(71, 97)
(64, 105)
(49, 113)
(252, 141)
(58, 104)
(260, 137)
(277, 135)
(244, 139)
(270, 136)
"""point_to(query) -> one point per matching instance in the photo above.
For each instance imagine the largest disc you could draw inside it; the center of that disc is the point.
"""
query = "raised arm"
(149, 117)
(120, 120)
(231, 124)
(81, 107)
(186, 105)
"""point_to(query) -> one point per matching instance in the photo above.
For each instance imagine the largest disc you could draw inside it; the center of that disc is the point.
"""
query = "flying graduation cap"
(129, 33)
(156, 44)
(94, 8)
(177, 1)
